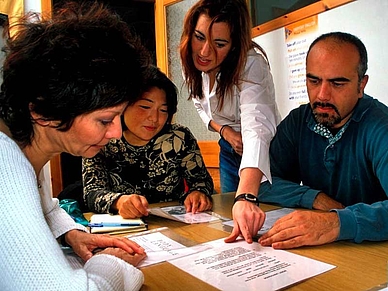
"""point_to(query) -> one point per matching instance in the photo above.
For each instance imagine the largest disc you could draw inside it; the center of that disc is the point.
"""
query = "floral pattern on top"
(158, 170)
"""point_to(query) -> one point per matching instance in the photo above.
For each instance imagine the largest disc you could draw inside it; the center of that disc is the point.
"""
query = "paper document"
(270, 218)
(178, 213)
(160, 248)
(243, 266)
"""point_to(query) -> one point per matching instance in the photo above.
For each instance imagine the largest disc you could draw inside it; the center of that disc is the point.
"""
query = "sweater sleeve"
(57, 218)
(30, 257)
(287, 194)
(361, 222)
(122, 276)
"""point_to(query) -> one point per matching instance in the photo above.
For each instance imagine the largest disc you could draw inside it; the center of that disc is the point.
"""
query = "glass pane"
(266, 10)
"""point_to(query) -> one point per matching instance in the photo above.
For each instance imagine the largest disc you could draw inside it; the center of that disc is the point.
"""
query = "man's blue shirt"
(351, 167)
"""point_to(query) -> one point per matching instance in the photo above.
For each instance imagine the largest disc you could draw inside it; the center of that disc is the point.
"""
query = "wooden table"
(358, 266)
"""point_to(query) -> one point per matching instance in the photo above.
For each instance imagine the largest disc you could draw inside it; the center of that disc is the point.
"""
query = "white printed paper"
(243, 266)
(160, 248)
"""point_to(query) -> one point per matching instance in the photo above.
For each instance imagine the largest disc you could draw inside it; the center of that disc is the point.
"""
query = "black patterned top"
(157, 170)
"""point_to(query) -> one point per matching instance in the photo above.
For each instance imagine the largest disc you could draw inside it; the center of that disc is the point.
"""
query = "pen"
(113, 224)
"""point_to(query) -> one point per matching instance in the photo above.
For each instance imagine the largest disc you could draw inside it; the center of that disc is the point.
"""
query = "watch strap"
(247, 197)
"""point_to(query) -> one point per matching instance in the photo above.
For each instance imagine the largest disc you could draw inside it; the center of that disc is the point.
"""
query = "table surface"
(358, 266)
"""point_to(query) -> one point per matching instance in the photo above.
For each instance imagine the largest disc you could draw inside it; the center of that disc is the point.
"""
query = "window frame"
(297, 15)
(282, 21)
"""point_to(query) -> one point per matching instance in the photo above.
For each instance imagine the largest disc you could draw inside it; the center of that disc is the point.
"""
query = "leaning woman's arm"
(259, 115)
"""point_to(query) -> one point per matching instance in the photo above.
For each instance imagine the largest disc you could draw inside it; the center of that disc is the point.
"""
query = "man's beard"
(326, 119)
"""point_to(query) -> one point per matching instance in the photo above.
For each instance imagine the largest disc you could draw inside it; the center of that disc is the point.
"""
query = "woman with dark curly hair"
(66, 81)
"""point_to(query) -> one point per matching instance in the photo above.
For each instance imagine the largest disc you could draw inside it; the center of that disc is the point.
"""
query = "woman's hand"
(84, 244)
(133, 259)
(234, 138)
(248, 218)
(197, 201)
(131, 206)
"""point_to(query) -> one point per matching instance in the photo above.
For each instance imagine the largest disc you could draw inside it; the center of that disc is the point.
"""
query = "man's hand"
(131, 206)
(324, 202)
(302, 228)
(248, 218)
(197, 201)
(84, 243)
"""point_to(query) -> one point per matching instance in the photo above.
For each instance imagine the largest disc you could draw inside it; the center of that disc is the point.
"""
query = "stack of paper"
(115, 224)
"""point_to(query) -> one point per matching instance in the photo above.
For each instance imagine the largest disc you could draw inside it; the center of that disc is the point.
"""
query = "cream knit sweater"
(30, 257)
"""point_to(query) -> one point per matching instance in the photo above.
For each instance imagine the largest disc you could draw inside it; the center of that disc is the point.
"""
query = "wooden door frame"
(161, 33)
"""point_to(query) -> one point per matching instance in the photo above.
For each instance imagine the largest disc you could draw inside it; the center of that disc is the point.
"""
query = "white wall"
(367, 19)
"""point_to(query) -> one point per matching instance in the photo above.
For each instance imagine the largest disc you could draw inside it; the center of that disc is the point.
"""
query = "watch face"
(247, 197)
(251, 197)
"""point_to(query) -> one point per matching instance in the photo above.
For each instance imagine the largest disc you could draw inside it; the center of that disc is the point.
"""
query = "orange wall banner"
(299, 36)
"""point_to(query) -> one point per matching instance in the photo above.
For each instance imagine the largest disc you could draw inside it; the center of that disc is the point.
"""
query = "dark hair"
(351, 39)
(83, 58)
(156, 78)
(233, 12)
